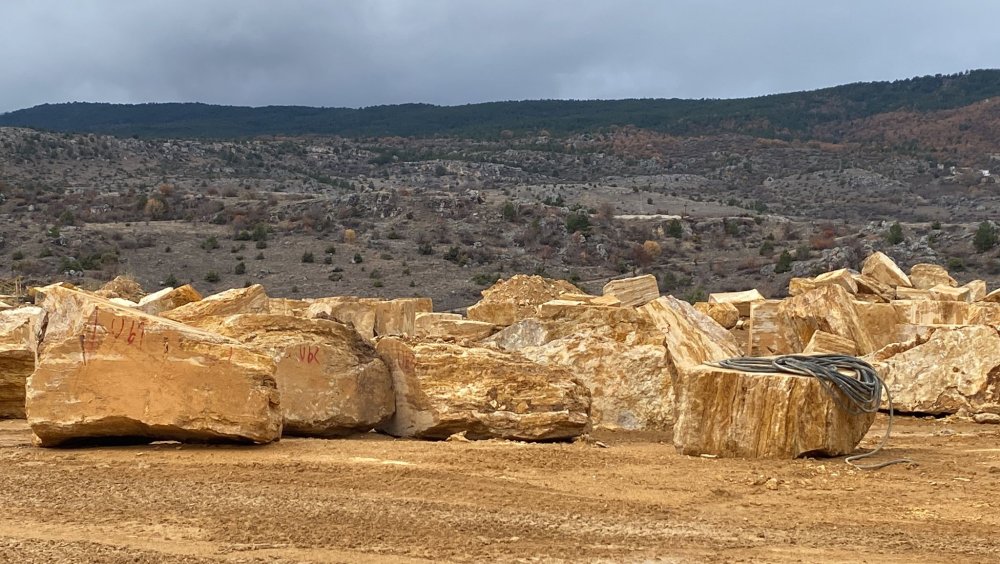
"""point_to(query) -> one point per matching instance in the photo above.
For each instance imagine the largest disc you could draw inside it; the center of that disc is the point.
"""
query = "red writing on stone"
(308, 355)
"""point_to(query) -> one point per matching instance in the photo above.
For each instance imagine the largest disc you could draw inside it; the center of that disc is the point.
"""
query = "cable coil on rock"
(852, 383)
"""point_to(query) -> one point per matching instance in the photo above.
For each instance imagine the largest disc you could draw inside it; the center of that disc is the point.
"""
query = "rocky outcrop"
(734, 414)
(616, 352)
(883, 269)
(926, 276)
(509, 301)
(18, 341)
(442, 389)
(105, 371)
(951, 370)
(633, 292)
(331, 380)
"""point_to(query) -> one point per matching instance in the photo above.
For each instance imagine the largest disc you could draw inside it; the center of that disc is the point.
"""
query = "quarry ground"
(374, 499)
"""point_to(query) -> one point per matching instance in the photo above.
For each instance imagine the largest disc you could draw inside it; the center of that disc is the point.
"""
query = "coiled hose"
(859, 391)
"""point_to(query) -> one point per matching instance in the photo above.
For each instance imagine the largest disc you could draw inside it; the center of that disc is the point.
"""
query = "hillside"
(444, 217)
(804, 115)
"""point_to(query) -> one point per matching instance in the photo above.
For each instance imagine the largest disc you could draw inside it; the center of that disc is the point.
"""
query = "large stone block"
(926, 276)
(450, 326)
(633, 292)
(443, 389)
(691, 337)
(735, 414)
(879, 322)
(952, 369)
(882, 268)
(932, 312)
(616, 352)
(768, 332)
(742, 300)
(359, 313)
(829, 309)
(331, 380)
(18, 342)
(725, 315)
(168, 299)
(230, 302)
(842, 277)
(827, 343)
(108, 371)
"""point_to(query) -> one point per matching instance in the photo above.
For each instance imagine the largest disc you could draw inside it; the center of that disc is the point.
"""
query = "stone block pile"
(535, 359)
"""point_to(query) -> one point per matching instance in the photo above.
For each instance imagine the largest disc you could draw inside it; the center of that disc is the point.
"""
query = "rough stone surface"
(18, 341)
(913, 294)
(948, 293)
(953, 369)
(828, 309)
(725, 315)
(879, 321)
(920, 312)
(842, 277)
(450, 326)
(828, 343)
(509, 301)
(926, 276)
(984, 313)
(977, 290)
(633, 292)
(616, 352)
(359, 313)
(993, 296)
(868, 286)
(107, 371)
(122, 287)
(692, 338)
(285, 306)
(734, 414)
(395, 317)
(442, 389)
(741, 300)
(330, 378)
(231, 302)
(768, 334)
(882, 268)
(168, 299)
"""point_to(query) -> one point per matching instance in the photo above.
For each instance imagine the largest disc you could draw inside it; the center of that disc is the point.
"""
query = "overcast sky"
(369, 52)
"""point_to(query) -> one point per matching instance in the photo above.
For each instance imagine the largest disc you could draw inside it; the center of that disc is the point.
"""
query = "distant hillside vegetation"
(794, 115)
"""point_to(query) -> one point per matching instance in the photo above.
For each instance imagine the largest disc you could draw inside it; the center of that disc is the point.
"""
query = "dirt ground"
(374, 499)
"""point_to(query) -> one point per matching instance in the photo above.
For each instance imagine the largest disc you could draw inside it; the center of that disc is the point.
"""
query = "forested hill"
(791, 115)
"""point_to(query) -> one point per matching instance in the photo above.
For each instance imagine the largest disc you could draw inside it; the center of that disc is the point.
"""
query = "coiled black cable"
(858, 391)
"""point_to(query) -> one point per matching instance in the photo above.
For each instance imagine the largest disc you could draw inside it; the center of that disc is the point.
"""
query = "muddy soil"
(378, 499)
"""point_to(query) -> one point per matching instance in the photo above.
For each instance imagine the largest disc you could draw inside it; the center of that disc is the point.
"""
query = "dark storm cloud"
(366, 52)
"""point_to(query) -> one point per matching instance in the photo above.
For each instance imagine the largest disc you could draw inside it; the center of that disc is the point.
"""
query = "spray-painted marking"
(308, 355)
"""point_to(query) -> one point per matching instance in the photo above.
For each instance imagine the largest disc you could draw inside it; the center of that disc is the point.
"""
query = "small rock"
(988, 418)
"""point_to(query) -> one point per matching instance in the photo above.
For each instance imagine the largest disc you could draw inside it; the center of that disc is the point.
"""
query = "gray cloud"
(360, 53)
